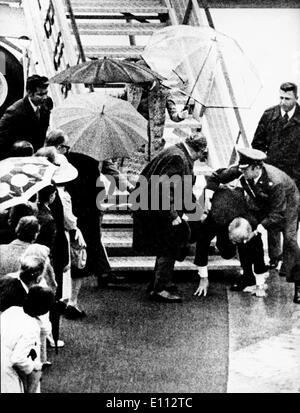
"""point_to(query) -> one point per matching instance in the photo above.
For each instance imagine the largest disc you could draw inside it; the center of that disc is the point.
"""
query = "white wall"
(271, 39)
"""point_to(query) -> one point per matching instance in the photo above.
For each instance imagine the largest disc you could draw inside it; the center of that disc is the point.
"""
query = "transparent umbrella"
(205, 64)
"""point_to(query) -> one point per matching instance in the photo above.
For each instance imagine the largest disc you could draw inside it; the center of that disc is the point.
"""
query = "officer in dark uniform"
(272, 198)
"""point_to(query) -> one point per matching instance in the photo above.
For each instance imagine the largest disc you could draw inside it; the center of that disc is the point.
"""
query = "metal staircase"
(69, 31)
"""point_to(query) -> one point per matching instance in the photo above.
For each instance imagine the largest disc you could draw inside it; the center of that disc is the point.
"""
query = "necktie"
(285, 118)
(38, 113)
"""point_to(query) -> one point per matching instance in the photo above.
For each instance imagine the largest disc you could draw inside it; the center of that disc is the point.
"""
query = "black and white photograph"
(149, 199)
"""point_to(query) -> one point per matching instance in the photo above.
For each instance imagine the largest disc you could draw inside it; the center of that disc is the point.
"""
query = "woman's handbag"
(78, 255)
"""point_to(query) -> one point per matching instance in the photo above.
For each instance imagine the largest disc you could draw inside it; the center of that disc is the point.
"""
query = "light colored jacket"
(20, 334)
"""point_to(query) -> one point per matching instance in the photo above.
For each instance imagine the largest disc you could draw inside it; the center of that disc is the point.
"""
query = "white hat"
(65, 172)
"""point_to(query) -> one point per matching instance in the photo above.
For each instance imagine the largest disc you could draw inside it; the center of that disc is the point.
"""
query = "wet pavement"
(264, 340)
(229, 342)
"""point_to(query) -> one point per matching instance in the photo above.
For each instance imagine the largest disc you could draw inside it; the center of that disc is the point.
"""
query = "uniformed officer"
(273, 198)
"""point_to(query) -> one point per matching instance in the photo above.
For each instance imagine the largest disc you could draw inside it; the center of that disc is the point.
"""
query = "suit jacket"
(12, 292)
(280, 142)
(20, 122)
(20, 336)
(10, 255)
(153, 232)
(270, 200)
(48, 228)
(227, 204)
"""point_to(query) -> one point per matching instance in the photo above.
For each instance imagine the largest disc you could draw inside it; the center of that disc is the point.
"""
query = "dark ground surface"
(128, 344)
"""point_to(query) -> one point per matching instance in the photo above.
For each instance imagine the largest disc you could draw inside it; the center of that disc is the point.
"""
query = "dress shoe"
(111, 280)
(165, 296)
(242, 283)
(259, 291)
(46, 365)
(73, 313)
(296, 299)
(60, 306)
(51, 343)
(273, 263)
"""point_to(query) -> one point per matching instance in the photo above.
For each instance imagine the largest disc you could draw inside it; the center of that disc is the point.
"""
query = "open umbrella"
(106, 70)
(22, 177)
(197, 59)
(101, 126)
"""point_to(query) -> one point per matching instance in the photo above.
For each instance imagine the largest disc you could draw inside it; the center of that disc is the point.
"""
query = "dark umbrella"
(106, 70)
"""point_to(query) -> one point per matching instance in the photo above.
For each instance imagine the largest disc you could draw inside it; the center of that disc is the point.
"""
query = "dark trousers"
(163, 272)
(274, 244)
(290, 249)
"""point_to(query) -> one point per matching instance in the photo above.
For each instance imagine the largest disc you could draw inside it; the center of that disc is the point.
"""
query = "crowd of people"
(259, 193)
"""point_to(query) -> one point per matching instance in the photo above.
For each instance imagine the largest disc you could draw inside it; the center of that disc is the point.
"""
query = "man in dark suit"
(272, 198)
(278, 135)
(14, 289)
(28, 118)
(159, 225)
(230, 221)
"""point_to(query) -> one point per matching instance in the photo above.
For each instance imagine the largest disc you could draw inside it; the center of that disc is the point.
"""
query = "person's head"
(28, 229)
(251, 162)
(19, 211)
(197, 143)
(38, 251)
(288, 95)
(21, 148)
(57, 138)
(239, 231)
(49, 152)
(37, 89)
(47, 195)
(31, 269)
(38, 301)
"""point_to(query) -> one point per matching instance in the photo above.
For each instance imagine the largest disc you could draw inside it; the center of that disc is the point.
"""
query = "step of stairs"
(216, 263)
(121, 220)
(119, 28)
(98, 28)
(112, 51)
(81, 7)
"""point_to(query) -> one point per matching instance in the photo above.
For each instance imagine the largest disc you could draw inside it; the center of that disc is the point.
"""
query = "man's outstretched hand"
(202, 287)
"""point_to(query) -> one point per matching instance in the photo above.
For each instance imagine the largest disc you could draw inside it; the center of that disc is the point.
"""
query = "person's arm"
(109, 169)
(222, 176)
(277, 208)
(203, 282)
(8, 132)
(28, 367)
(260, 140)
(175, 115)
(70, 221)
(174, 171)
